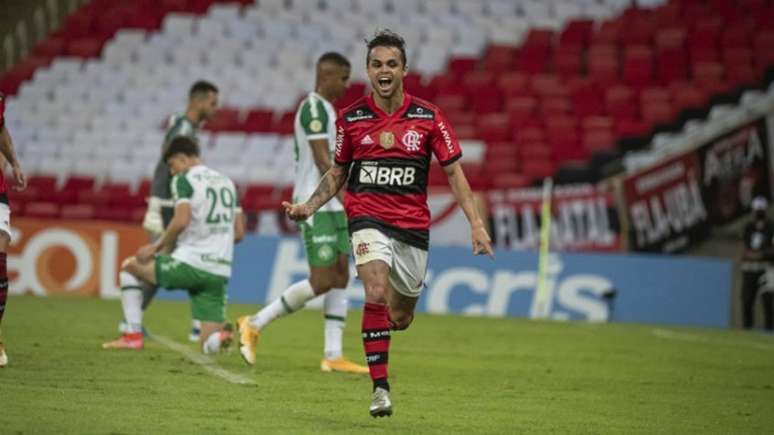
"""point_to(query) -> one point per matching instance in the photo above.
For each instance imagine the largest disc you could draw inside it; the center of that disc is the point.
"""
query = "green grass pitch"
(448, 374)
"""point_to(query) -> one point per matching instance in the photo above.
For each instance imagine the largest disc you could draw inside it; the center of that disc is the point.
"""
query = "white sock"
(335, 307)
(131, 301)
(196, 324)
(212, 343)
(292, 299)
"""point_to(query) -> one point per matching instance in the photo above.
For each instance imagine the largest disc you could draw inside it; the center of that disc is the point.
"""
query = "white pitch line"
(203, 360)
(672, 335)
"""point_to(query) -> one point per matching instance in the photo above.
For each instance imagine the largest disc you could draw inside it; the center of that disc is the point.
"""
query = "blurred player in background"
(325, 233)
(384, 145)
(20, 182)
(756, 259)
(206, 222)
(202, 104)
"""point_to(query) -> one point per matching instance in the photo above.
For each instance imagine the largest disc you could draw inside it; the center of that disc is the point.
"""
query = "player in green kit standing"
(206, 223)
(325, 236)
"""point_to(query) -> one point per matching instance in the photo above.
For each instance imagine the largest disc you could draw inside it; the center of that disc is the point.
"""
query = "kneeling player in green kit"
(207, 222)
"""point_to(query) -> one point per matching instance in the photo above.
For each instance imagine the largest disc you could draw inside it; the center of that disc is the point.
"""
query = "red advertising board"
(69, 257)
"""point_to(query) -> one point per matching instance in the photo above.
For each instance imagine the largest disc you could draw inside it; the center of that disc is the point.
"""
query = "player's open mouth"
(385, 83)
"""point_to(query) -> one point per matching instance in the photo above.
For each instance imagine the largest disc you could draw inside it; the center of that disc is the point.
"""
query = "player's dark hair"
(201, 88)
(182, 145)
(334, 58)
(387, 38)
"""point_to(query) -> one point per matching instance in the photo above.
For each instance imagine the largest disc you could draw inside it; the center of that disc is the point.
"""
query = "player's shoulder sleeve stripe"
(313, 117)
(181, 188)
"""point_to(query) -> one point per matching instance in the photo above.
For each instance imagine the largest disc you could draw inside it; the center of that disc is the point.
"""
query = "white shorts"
(5, 219)
(408, 264)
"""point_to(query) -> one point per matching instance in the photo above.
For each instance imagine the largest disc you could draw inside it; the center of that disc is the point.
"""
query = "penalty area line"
(205, 361)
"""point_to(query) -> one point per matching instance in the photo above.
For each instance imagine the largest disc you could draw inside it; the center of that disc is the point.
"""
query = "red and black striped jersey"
(389, 157)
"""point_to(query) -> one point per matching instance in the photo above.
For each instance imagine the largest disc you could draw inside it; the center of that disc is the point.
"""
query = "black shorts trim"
(416, 238)
(4, 198)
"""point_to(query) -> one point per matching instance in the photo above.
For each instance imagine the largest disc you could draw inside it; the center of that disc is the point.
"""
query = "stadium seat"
(41, 210)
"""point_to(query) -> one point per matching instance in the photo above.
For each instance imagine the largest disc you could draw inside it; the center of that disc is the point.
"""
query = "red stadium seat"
(597, 123)
(284, 124)
(50, 47)
(85, 47)
(548, 85)
(598, 140)
(259, 120)
(499, 58)
(655, 94)
(638, 65)
(537, 169)
(533, 59)
(529, 135)
(459, 66)
(657, 112)
(620, 101)
(225, 119)
(514, 83)
(628, 127)
(510, 181)
(495, 127)
(41, 210)
(568, 61)
(608, 32)
(687, 95)
(475, 80)
(604, 68)
(708, 71)
(670, 38)
(451, 102)
(553, 106)
(114, 213)
(577, 33)
(521, 107)
(77, 211)
(487, 101)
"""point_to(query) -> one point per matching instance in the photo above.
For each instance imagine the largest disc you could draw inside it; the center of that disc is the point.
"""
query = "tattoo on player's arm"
(329, 185)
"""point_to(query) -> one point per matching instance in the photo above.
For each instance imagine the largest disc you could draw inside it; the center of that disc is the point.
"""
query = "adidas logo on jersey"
(367, 140)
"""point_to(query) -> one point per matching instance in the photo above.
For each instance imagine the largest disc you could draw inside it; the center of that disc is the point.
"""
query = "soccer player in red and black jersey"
(384, 146)
(7, 150)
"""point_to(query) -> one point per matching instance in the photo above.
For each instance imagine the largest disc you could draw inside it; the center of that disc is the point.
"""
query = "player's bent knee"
(319, 284)
(401, 321)
(376, 293)
(129, 265)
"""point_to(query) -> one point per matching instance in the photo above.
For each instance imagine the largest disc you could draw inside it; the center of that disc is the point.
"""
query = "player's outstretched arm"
(322, 159)
(330, 184)
(8, 151)
(482, 244)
